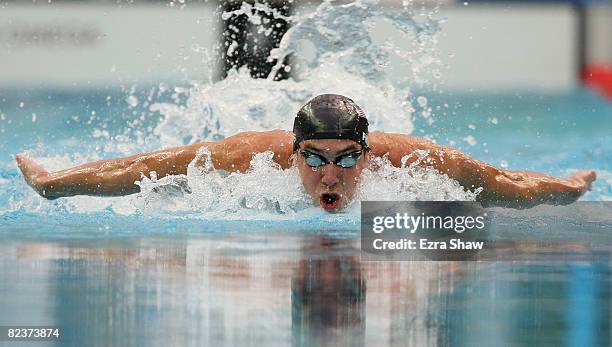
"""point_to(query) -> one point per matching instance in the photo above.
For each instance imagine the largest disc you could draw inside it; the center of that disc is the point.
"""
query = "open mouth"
(330, 201)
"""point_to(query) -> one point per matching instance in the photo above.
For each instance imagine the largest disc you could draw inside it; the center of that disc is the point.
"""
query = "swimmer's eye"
(313, 160)
(346, 160)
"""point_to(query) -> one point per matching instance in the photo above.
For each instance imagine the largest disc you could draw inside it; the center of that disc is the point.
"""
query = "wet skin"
(331, 186)
(114, 177)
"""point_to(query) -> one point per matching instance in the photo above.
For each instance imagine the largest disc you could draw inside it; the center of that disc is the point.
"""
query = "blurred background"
(501, 45)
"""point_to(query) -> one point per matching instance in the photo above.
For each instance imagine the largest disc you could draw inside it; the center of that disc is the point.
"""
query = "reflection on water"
(328, 297)
(292, 289)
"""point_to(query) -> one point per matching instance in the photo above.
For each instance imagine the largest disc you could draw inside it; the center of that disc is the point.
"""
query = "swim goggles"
(344, 160)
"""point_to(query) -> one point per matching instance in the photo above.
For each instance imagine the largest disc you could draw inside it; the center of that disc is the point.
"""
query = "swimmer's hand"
(578, 184)
(35, 175)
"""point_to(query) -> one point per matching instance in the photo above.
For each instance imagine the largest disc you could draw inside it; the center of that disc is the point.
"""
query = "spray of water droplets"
(333, 53)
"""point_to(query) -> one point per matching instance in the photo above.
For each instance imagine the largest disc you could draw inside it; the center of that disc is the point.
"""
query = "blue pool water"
(118, 278)
(258, 266)
(550, 133)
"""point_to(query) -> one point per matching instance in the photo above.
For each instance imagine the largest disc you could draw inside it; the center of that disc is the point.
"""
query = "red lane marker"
(598, 77)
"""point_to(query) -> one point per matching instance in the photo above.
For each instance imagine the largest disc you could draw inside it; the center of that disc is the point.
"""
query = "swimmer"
(330, 145)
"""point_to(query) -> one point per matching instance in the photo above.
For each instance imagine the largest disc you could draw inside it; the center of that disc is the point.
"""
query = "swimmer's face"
(331, 186)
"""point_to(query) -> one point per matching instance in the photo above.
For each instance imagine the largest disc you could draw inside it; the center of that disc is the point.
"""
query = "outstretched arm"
(517, 189)
(116, 177)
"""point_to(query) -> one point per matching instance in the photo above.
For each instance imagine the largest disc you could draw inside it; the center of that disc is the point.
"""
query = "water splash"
(213, 193)
(349, 34)
(217, 193)
(346, 56)
(385, 182)
(333, 53)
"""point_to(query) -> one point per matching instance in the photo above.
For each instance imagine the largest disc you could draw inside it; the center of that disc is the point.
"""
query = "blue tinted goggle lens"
(314, 160)
(345, 161)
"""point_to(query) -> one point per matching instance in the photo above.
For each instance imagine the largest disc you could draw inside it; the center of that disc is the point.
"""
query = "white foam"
(345, 58)
(342, 56)
(268, 189)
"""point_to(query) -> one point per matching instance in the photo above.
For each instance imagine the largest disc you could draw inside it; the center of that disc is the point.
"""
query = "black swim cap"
(330, 116)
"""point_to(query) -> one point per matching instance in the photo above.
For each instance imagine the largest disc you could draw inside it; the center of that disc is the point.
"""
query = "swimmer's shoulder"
(279, 136)
(382, 143)
(277, 141)
(242, 146)
(260, 141)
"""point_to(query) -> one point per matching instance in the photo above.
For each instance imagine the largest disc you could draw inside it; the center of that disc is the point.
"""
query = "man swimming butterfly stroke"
(330, 146)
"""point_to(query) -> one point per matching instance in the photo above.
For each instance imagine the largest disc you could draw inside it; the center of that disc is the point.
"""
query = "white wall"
(504, 46)
(493, 47)
(599, 29)
(510, 47)
(79, 44)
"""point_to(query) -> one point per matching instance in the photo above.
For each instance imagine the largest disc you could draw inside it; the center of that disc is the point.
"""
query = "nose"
(330, 175)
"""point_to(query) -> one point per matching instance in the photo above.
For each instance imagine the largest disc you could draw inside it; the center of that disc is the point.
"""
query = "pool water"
(301, 289)
(264, 268)
(142, 279)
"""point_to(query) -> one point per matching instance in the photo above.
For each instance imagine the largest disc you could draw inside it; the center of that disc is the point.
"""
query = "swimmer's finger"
(583, 179)
(29, 167)
(33, 173)
(588, 176)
